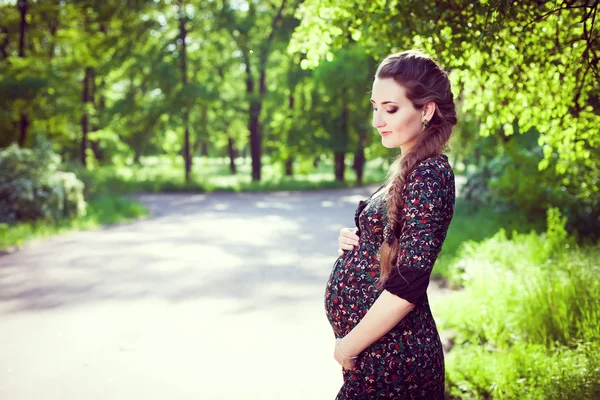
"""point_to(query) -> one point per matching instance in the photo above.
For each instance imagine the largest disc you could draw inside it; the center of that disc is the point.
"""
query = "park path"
(213, 296)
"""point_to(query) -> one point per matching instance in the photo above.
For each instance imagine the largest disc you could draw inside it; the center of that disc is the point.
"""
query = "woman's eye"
(393, 110)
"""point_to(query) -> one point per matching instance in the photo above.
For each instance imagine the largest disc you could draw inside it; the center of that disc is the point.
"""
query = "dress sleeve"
(425, 226)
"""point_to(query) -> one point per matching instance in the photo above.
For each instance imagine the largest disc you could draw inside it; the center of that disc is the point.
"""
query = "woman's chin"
(388, 144)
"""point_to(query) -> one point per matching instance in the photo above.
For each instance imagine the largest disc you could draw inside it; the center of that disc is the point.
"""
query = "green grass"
(163, 174)
(158, 174)
(477, 225)
(524, 371)
(107, 186)
(525, 325)
(100, 211)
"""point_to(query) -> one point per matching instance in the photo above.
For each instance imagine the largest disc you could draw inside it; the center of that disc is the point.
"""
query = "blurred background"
(105, 106)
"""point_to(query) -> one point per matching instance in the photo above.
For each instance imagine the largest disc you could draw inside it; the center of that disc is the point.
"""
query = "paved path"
(214, 296)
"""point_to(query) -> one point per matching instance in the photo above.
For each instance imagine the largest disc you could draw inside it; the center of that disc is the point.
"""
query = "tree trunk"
(22, 5)
(255, 140)
(52, 27)
(256, 105)
(24, 122)
(202, 139)
(85, 118)
(136, 156)
(95, 146)
(339, 165)
(100, 107)
(359, 157)
(289, 166)
(254, 111)
(289, 162)
(186, 112)
(186, 146)
(4, 44)
(232, 155)
(359, 164)
(23, 125)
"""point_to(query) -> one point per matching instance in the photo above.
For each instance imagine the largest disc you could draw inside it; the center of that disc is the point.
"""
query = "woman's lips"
(385, 133)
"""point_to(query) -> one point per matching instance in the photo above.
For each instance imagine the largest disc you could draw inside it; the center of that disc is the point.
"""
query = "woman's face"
(394, 116)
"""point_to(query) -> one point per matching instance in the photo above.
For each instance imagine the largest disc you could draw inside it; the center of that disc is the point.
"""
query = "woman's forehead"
(387, 89)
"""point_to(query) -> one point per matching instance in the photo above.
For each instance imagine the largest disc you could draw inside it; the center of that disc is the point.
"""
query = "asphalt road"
(216, 296)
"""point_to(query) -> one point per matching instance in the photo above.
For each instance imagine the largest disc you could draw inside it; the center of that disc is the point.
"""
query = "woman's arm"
(385, 313)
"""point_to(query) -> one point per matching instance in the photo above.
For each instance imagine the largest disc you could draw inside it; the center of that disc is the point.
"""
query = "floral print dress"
(408, 361)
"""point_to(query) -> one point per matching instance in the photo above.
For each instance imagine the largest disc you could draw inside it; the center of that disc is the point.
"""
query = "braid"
(424, 82)
(395, 204)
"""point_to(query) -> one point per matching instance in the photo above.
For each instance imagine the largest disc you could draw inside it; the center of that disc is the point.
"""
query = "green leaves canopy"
(514, 64)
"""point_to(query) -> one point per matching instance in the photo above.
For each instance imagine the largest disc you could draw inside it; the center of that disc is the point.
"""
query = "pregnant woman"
(376, 298)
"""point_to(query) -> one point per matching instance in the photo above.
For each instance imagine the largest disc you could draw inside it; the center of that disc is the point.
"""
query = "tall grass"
(470, 226)
(526, 323)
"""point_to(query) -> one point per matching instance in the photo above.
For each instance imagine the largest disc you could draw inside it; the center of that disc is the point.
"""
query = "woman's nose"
(378, 122)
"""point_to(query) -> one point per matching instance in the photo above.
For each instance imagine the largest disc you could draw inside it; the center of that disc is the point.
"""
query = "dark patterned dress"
(408, 361)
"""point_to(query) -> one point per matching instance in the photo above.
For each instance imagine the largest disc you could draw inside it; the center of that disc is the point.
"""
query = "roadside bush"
(32, 188)
(526, 323)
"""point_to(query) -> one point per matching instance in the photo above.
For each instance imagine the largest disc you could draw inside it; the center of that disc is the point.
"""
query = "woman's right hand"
(347, 239)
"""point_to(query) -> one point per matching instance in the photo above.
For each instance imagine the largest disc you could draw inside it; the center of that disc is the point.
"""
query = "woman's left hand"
(346, 363)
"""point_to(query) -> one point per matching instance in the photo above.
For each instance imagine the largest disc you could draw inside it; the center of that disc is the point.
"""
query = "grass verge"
(101, 211)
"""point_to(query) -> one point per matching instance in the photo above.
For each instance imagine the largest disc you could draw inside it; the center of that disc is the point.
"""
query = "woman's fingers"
(349, 233)
(348, 364)
(346, 246)
(348, 240)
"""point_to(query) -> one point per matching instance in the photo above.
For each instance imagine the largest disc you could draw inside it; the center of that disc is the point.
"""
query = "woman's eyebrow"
(385, 102)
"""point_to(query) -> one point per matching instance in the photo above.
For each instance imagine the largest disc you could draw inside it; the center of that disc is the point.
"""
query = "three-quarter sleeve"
(426, 216)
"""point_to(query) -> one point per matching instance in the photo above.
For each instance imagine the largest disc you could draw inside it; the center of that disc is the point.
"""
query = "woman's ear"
(428, 111)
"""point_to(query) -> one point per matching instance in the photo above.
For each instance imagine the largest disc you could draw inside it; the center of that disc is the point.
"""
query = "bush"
(526, 323)
(524, 371)
(512, 179)
(32, 188)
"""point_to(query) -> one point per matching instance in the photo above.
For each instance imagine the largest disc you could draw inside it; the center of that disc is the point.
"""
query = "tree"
(256, 28)
(530, 63)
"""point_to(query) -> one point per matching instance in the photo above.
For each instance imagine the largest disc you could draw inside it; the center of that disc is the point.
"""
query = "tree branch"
(546, 14)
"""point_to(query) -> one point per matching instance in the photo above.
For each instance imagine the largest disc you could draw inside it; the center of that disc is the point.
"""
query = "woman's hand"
(345, 362)
(347, 239)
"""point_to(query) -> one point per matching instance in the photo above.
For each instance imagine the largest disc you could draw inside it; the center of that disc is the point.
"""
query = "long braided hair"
(424, 81)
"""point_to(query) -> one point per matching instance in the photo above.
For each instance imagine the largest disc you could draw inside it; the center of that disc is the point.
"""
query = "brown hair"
(424, 81)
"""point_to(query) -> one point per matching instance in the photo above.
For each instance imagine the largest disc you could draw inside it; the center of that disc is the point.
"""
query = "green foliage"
(32, 188)
(527, 320)
(511, 178)
(163, 174)
(514, 67)
(477, 224)
(525, 371)
(101, 211)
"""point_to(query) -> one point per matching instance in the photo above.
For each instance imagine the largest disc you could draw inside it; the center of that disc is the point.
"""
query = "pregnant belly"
(351, 290)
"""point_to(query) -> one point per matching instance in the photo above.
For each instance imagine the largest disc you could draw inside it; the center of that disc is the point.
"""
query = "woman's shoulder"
(436, 167)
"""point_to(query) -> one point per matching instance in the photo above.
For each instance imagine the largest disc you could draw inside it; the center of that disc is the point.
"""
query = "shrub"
(512, 179)
(526, 323)
(32, 188)
(524, 371)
